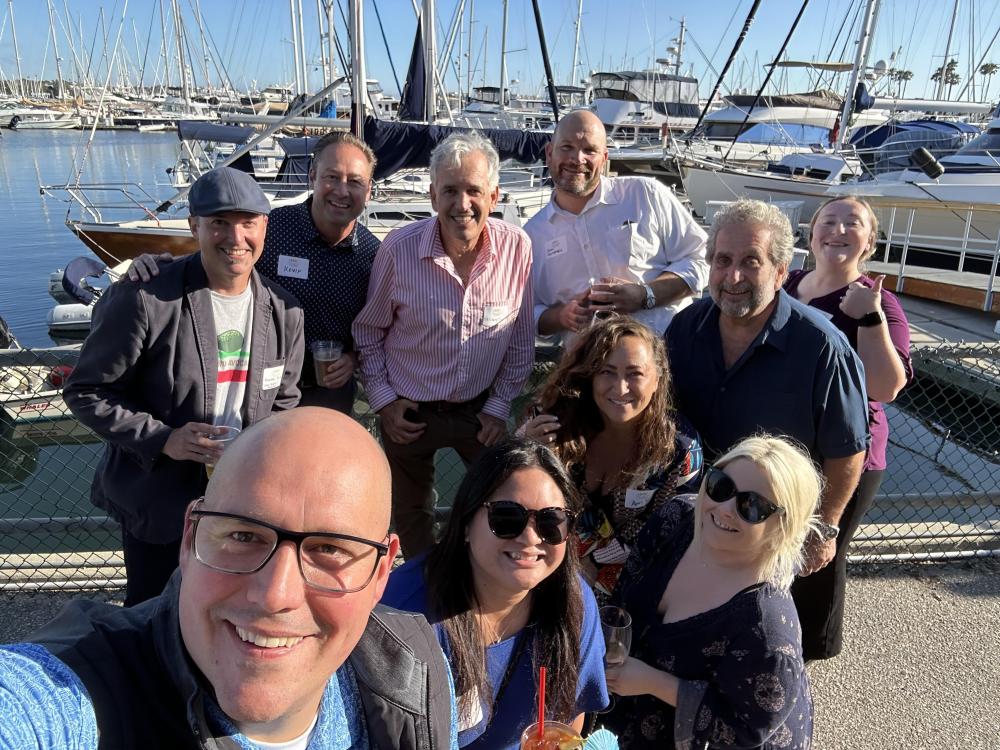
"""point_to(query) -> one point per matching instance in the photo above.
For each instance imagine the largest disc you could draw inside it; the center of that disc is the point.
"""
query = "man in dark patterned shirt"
(319, 252)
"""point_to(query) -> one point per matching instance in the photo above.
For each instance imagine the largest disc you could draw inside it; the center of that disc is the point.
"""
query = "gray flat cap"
(226, 189)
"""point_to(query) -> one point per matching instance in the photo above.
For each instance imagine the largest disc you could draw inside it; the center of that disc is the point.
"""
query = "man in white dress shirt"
(618, 243)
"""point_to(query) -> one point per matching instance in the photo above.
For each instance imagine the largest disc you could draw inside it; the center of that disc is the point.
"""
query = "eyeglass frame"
(283, 535)
(737, 495)
(532, 516)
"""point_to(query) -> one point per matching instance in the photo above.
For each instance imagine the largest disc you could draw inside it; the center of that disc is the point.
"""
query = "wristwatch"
(650, 302)
(826, 531)
(870, 320)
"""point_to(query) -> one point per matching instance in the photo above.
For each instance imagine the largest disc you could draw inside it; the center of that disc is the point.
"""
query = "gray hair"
(765, 215)
(450, 152)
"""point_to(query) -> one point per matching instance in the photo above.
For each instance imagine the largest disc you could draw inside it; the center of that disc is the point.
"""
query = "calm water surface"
(35, 239)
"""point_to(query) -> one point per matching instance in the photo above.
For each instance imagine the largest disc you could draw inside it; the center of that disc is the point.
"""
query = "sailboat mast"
(576, 44)
(17, 51)
(503, 58)
(680, 48)
(180, 55)
(430, 60)
(860, 61)
(302, 50)
(360, 83)
(947, 54)
(55, 51)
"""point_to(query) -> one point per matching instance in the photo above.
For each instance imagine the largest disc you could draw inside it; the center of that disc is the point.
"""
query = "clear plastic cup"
(223, 435)
(325, 353)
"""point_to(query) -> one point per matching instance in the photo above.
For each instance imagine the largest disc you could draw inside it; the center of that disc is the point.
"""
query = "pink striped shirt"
(424, 336)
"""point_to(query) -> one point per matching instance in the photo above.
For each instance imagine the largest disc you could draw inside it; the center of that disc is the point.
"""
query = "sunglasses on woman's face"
(752, 507)
(507, 519)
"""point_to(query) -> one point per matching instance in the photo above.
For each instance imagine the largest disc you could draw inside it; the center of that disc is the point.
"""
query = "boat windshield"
(987, 144)
(789, 134)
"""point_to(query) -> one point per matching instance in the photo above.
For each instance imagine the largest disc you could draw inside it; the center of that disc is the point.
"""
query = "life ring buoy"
(59, 374)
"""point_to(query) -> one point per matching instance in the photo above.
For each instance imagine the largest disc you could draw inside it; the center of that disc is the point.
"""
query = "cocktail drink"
(325, 353)
(223, 436)
(555, 736)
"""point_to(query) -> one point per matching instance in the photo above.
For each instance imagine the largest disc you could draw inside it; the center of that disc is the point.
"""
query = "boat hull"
(113, 243)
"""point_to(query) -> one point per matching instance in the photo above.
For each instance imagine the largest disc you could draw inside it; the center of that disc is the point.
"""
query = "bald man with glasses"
(269, 632)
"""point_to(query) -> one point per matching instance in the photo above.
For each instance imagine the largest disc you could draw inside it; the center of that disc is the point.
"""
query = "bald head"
(576, 156)
(576, 121)
(309, 454)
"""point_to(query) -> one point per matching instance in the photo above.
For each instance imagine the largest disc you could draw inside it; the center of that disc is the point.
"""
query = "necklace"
(494, 632)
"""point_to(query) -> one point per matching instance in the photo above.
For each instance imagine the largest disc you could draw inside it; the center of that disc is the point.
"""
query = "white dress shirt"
(632, 228)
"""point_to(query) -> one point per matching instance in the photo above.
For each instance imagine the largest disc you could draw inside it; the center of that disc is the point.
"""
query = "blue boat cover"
(399, 145)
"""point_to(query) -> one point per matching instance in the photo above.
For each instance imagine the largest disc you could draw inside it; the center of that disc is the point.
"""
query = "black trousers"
(148, 567)
(819, 598)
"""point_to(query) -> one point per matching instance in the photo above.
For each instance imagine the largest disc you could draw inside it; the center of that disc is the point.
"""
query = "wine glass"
(616, 624)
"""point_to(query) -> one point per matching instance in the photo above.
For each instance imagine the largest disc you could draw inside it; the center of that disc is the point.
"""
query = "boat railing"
(979, 240)
(91, 199)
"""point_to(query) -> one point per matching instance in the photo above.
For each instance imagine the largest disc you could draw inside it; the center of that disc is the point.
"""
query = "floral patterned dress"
(742, 680)
(607, 528)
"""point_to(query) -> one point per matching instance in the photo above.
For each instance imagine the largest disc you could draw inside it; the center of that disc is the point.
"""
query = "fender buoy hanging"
(59, 374)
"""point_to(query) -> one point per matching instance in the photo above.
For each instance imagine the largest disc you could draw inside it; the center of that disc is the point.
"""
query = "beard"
(577, 183)
(740, 307)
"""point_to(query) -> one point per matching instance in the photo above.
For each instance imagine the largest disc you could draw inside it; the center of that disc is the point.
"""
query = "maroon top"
(899, 332)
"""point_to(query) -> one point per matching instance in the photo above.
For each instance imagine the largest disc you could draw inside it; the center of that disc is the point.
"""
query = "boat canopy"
(199, 130)
(887, 147)
(820, 99)
(671, 95)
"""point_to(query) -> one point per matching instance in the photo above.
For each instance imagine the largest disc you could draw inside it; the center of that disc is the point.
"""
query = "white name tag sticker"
(554, 247)
(272, 377)
(493, 314)
(638, 498)
(289, 265)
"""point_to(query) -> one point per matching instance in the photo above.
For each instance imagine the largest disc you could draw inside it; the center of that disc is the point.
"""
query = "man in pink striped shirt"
(446, 338)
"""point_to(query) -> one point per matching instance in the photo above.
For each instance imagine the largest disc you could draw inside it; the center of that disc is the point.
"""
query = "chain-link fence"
(940, 498)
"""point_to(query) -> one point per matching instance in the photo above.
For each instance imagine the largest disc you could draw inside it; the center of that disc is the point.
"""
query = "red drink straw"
(541, 702)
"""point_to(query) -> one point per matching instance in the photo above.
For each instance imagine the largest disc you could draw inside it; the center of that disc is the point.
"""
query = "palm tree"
(901, 76)
(988, 70)
(950, 74)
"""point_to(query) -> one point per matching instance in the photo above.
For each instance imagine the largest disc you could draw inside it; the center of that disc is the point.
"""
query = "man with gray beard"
(754, 359)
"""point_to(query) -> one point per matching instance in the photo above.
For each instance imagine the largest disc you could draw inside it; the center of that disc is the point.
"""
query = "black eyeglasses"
(508, 519)
(338, 563)
(752, 507)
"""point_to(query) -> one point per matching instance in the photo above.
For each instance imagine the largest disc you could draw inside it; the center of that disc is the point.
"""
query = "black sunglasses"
(508, 519)
(752, 507)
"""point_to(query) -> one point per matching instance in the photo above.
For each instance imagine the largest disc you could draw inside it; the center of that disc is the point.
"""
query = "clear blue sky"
(251, 37)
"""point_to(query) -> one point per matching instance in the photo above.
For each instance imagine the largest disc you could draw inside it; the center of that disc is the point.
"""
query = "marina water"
(34, 240)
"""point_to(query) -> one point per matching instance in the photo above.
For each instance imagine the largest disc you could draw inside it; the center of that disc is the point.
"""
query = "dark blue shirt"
(335, 286)
(799, 378)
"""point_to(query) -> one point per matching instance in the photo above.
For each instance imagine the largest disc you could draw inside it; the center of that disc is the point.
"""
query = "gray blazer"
(150, 365)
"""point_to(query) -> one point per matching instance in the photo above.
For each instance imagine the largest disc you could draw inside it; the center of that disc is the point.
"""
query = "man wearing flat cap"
(171, 364)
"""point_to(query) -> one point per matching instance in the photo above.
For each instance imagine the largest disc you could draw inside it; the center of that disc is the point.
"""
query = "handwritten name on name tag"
(272, 377)
(296, 268)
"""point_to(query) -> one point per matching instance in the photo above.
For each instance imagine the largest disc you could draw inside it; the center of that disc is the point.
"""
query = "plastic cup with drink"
(325, 353)
(222, 436)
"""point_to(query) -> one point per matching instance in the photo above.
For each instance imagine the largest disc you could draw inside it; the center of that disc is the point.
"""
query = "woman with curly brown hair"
(608, 413)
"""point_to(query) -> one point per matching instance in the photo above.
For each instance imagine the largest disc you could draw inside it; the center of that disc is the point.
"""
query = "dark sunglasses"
(508, 519)
(752, 508)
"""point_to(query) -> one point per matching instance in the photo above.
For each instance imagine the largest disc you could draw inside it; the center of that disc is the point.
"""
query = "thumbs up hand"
(859, 300)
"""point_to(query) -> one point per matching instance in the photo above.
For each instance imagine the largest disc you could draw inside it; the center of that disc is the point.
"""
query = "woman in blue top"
(503, 592)
(716, 658)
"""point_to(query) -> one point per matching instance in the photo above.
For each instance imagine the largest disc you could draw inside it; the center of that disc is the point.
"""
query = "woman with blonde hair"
(716, 658)
(842, 237)
(607, 411)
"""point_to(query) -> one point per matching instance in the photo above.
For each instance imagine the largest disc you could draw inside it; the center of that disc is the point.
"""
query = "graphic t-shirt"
(234, 327)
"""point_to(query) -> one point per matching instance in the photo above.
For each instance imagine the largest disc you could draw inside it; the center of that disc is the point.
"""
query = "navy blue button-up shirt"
(331, 281)
(799, 378)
